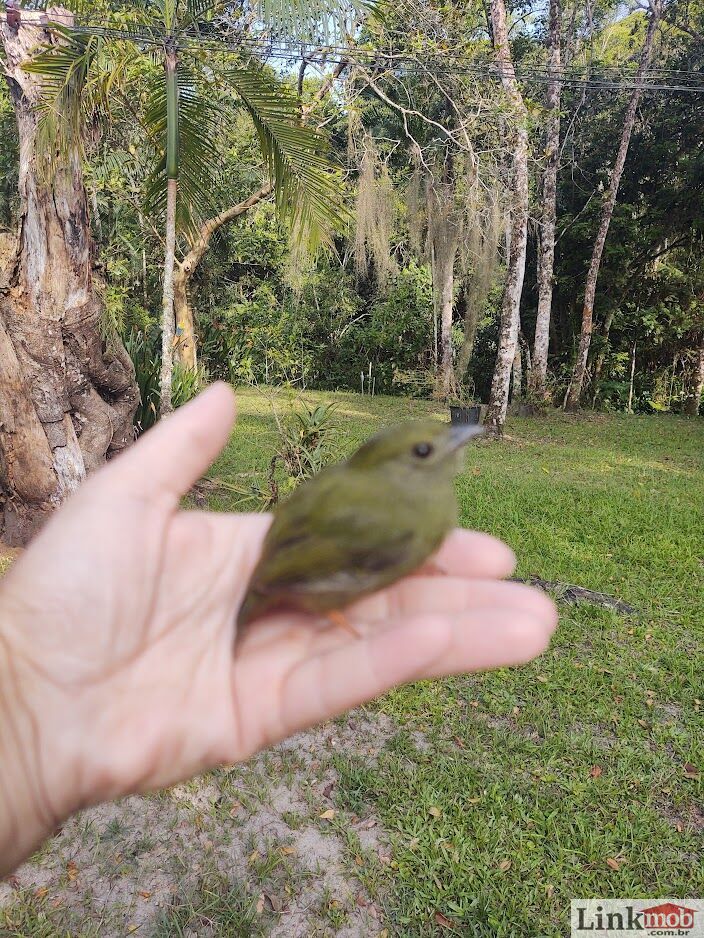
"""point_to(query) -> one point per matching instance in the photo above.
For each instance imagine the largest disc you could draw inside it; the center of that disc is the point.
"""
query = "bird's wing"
(327, 538)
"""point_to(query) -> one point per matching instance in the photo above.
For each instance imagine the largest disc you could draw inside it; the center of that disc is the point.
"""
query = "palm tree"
(185, 114)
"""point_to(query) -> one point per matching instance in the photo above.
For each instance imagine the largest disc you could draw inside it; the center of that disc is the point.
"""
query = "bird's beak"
(462, 433)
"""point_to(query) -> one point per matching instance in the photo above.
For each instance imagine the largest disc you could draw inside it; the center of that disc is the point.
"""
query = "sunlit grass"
(543, 774)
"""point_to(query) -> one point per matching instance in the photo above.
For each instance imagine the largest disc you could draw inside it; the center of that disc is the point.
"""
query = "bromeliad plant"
(90, 66)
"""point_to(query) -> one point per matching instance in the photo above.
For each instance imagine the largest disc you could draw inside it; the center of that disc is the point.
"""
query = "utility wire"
(404, 64)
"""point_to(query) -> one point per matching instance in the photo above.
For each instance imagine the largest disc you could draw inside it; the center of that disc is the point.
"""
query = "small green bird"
(360, 525)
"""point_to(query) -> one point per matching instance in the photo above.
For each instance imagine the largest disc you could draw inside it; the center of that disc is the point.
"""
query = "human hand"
(117, 669)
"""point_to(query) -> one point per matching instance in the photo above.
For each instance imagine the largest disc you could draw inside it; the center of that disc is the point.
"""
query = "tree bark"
(546, 259)
(517, 373)
(471, 322)
(601, 357)
(168, 320)
(185, 351)
(67, 395)
(444, 232)
(574, 391)
(696, 386)
(186, 347)
(508, 329)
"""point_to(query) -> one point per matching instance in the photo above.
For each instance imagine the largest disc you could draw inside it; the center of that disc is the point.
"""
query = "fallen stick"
(573, 595)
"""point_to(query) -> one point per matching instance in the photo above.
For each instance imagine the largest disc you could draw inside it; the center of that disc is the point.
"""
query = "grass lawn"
(498, 797)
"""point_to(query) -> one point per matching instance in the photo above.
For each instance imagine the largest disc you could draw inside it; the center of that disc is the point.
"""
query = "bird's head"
(423, 446)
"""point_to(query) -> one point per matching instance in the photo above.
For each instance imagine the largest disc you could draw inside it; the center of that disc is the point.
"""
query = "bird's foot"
(340, 619)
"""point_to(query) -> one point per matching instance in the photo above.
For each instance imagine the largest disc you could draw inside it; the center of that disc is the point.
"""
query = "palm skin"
(117, 626)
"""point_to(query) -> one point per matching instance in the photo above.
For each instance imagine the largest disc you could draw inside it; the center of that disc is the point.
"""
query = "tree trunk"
(444, 231)
(546, 259)
(67, 396)
(696, 386)
(508, 329)
(444, 295)
(633, 374)
(574, 392)
(471, 322)
(601, 357)
(168, 321)
(186, 350)
(185, 347)
(517, 373)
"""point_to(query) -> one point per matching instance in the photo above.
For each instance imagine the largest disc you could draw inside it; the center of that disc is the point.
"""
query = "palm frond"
(308, 191)
(313, 19)
(64, 70)
(200, 120)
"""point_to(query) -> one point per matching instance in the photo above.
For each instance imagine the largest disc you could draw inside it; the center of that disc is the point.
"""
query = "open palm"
(120, 622)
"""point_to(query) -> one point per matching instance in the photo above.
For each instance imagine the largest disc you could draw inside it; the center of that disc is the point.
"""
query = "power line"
(409, 65)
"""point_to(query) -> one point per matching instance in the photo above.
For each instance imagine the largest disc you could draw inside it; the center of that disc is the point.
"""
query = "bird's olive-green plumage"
(362, 524)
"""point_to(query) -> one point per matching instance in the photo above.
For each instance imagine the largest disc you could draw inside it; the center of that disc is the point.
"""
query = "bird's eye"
(422, 450)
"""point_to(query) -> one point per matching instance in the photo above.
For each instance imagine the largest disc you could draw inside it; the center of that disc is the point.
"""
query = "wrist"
(30, 809)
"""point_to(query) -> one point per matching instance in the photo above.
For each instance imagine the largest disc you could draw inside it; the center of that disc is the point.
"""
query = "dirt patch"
(270, 827)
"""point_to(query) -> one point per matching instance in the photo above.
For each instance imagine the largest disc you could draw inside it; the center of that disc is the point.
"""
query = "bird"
(359, 525)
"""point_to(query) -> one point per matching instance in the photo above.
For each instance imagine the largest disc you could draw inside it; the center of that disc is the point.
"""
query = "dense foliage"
(361, 315)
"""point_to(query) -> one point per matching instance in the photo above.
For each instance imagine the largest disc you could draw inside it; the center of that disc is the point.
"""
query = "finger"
(176, 452)
(326, 685)
(473, 554)
(418, 595)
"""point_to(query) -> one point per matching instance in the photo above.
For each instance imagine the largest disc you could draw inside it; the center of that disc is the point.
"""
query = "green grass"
(505, 794)
(613, 503)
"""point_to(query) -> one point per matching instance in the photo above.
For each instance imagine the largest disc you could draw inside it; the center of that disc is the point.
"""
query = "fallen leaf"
(613, 864)
(288, 851)
(458, 742)
(384, 933)
(413, 843)
(679, 827)
(145, 894)
(327, 815)
(328, 789)
(72, 870)
(358, 860)
(595, 771)
(368, 824)
(516, 711)
(690, 771)
(235, 809)
(260, 904)
(473, 800)
(41, 892)
(253, 857)
(505, 865)
(542, 678)
(443, 920)
(550, 890)
(436, 812)
(274, 901)
(361, 900)
(131, 929)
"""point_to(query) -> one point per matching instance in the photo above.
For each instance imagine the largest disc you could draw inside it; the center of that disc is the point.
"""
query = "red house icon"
(668, 915)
